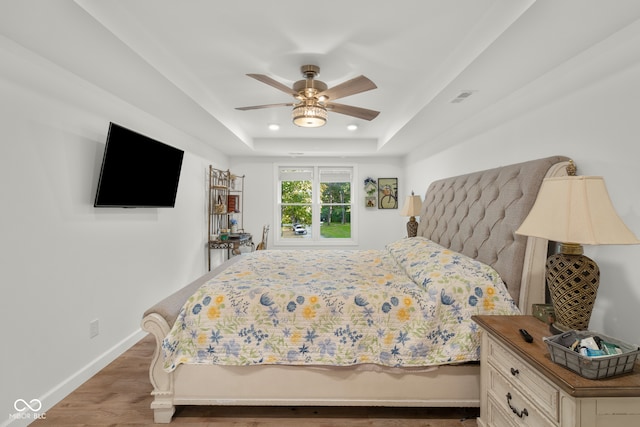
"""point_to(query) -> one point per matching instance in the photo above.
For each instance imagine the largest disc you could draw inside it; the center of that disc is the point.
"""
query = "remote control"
(526, 336)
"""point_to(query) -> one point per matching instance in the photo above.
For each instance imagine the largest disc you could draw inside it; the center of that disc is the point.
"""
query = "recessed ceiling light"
(274, 126)
(352, 127)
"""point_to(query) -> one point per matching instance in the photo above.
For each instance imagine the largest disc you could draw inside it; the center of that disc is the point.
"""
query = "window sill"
(315, 243)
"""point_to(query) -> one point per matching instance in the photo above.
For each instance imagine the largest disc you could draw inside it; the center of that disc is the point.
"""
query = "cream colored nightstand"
(521, 386)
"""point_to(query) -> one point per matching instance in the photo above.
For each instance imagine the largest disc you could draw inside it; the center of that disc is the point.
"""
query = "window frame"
(316, 205)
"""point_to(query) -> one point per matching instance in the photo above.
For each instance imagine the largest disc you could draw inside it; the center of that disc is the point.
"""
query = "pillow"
(426, 263)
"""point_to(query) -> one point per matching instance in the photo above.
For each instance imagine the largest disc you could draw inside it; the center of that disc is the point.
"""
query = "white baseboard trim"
(62, 390)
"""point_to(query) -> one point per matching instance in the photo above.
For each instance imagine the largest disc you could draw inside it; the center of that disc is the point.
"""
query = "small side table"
(520, 385)
(232, 245)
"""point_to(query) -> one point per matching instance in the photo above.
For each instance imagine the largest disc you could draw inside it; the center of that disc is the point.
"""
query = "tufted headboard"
(477, 214)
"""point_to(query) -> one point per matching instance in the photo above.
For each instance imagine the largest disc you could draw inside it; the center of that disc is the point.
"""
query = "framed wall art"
(387, 193)
(371, 188)
(370, 202)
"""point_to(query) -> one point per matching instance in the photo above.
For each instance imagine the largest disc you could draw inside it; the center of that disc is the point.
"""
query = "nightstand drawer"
(513, 404)
(524, 378)
(497, 417)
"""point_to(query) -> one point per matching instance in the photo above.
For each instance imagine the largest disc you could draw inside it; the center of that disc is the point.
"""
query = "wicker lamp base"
(573, 281)
(412, 227)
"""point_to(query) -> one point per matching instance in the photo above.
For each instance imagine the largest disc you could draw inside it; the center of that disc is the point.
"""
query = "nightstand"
(521, 386)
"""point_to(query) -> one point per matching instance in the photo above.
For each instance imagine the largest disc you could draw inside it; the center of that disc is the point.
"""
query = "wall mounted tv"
(137, 171)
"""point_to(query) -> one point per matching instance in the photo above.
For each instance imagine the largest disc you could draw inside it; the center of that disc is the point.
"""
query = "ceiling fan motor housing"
(309, 87)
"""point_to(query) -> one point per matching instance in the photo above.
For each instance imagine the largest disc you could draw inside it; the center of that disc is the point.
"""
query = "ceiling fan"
(314, 98)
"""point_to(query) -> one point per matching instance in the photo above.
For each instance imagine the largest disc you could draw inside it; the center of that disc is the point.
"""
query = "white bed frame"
(444, 386)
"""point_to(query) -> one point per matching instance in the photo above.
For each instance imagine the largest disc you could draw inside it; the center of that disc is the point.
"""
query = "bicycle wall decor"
(387, 193)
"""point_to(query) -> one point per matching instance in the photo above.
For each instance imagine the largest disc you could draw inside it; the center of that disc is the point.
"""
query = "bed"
(467, 221)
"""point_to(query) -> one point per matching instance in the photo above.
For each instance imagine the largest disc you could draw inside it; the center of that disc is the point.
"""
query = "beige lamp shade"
(576, 209)
(411, 206)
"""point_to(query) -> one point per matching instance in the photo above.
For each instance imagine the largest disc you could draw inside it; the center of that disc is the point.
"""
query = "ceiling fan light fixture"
(309, 116)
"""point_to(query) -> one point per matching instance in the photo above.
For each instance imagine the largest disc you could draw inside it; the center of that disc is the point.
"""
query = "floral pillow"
(427, 263)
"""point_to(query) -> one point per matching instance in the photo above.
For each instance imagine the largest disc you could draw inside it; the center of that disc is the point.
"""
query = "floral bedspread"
(409, 305)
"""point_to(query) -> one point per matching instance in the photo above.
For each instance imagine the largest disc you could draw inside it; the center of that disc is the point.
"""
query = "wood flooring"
(119, 395)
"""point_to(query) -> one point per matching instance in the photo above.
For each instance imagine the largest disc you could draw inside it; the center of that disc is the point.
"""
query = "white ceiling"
(185, 62)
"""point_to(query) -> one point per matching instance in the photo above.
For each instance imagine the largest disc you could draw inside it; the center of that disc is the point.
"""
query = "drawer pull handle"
(514, 371)
(521, 414)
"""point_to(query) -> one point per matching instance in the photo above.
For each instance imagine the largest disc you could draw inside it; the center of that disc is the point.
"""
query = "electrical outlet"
(94, 328)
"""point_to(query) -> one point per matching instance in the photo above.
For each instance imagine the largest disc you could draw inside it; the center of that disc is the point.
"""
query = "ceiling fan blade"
(273, 83)
(350, 87)
(361, 113)
(257, 107)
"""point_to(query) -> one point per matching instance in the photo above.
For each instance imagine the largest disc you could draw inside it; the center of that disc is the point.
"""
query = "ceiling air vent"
(463, 95)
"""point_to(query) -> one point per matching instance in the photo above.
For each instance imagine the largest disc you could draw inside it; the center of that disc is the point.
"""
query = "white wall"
(376, 227)
(587, 109)
(63, 262)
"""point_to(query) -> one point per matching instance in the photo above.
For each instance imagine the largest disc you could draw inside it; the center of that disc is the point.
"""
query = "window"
(315, 204)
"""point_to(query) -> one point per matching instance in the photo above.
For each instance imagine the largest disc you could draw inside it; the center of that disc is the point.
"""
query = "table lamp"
(574, 211)
(411, 208)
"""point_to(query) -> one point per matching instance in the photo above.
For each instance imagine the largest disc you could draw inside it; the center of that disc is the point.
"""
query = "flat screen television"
(137, 171)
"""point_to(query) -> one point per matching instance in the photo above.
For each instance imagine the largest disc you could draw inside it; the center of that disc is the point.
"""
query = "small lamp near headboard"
(574, 211)
(411, 209)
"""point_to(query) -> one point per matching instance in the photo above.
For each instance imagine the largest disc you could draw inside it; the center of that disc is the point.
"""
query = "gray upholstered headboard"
(477, 214)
